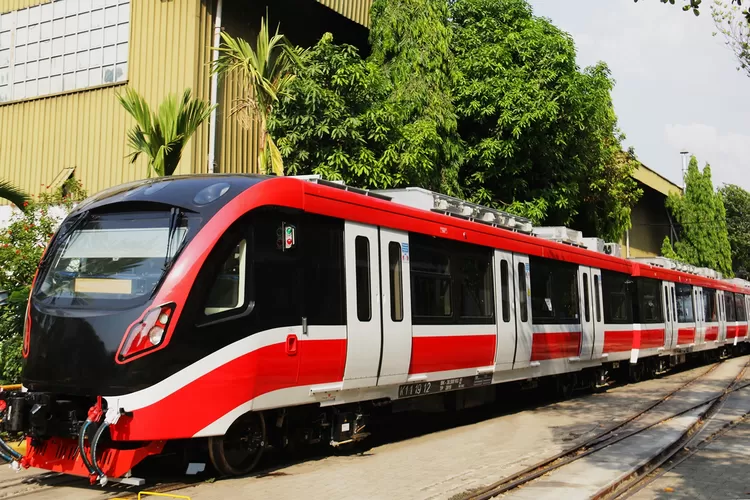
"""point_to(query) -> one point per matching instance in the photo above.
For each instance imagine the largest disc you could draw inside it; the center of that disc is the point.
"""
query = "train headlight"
(155, 335)
(147, 333)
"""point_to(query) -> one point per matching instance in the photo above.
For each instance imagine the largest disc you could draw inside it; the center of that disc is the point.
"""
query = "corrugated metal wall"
(86, 129)
(356, 10)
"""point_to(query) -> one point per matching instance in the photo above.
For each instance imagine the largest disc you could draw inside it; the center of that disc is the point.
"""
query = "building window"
(62, 46)
(684, 303)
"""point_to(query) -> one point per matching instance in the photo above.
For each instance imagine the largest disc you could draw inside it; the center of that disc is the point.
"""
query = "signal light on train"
(148, 333)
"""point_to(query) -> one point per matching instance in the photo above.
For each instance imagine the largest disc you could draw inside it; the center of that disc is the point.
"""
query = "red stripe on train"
(625, 340)
(443, 353)
(555, 345)
(712, 333)
(213, 395)
(685, 336)
(742, 331)
(731, 332)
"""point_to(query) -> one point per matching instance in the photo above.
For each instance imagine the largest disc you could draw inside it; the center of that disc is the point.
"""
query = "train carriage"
(242, 311)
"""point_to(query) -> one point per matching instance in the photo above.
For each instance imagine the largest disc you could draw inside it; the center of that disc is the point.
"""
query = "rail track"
(608, 437)
(679, 451)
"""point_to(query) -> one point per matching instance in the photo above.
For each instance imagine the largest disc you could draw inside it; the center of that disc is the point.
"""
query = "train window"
(617, 298)
(505, 290)
(431, 296)
(396, 279)
(554, 292)
(674, 305)
(228, 290)
(476, 287)
(666, 297)
(362, 263)
(522, 293)
(597, 298)
(586, 307)
(684, 303)
(648, 307)
(729, 311)
(739, 301)
(322, 243)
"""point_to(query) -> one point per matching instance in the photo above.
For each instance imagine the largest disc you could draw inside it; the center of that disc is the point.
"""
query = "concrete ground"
(433, 465)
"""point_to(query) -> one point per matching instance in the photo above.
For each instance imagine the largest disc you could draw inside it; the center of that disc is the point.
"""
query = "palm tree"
(162, 135)
(14, 195)
(266, 73)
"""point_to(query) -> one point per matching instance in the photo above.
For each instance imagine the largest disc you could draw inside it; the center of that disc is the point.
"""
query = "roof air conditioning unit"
(613, 249)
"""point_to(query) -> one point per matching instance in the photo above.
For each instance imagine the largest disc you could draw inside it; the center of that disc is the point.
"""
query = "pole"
(684, 168)
(214, 89)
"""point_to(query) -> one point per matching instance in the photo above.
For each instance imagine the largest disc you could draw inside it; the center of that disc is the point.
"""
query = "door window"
(362, 263)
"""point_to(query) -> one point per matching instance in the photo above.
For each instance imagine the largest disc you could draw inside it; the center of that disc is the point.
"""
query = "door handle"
(291, 345)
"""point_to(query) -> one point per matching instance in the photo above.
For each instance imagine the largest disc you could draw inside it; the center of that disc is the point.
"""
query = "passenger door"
(722, 315)
(597, 314)
(698, 311)
(587, 312)
(505, 297)
(524, 330)
(395, 282)
(363, 325)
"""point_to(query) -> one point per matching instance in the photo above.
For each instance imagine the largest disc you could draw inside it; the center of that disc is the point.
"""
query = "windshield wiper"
(175, 214)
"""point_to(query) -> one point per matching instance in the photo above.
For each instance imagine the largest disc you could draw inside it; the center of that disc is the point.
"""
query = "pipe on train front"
(111, 320)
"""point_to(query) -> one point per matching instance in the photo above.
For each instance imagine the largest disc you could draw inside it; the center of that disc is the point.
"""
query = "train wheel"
(238, 451)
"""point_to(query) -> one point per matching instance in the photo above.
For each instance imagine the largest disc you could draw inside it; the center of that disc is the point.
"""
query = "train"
(241, 312)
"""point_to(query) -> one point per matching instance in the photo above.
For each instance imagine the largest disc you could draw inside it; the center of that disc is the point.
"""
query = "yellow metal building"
(650, 218)
(63, 62)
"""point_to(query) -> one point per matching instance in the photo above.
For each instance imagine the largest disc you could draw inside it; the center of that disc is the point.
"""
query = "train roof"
(387, 208)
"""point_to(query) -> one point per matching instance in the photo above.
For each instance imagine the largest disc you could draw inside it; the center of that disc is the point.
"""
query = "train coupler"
(348, 428)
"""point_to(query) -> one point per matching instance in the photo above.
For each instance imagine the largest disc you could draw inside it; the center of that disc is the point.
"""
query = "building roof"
(356, 10)
(655, 181)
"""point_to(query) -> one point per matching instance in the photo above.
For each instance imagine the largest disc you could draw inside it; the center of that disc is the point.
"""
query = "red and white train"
(237, 311)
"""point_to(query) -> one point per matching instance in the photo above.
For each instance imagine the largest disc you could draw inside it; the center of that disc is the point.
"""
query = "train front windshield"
(112, 260)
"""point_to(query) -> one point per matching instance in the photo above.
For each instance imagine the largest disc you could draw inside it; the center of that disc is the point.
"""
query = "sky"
(677, 87)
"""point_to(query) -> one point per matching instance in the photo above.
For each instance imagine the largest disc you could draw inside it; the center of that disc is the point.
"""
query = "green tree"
(266, 73)
(541, 135)
(737, 203)
(701, 217)
(411, 43)
(162, 135)
(336, 120)
(14, 195)
(667, 250)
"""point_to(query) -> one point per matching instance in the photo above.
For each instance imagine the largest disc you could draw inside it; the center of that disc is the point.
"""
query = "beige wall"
(650, 224)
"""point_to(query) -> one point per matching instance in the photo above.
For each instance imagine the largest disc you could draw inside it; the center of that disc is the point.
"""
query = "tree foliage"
(337, 121)
(411, 43)
(163, 134)
(265, 72)
(737, 204)
(701, 217)
(535, 135)
(13, 194)
(734, 24)
(22, 243)
(541, 135)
